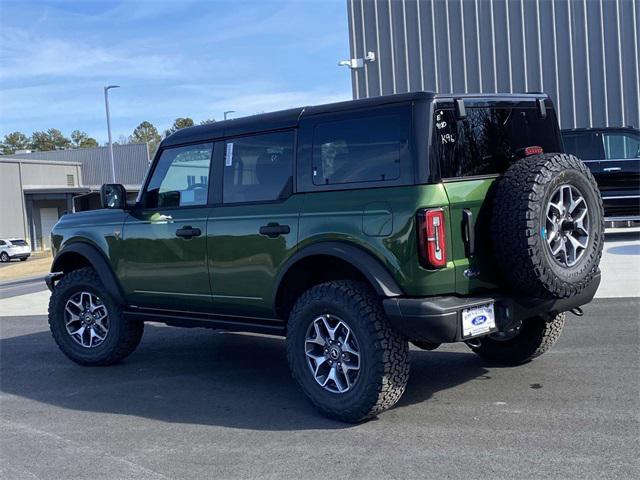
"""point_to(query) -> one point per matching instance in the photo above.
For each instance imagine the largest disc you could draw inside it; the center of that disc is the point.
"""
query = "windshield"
(489, 139)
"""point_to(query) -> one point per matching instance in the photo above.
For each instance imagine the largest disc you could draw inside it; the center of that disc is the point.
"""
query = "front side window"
(258, 168)
(621, 145)
(489, 139)
(366, 149)
(181, 177)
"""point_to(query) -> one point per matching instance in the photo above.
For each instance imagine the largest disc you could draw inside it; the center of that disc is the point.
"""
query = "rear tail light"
(432, 240)
(533, 150)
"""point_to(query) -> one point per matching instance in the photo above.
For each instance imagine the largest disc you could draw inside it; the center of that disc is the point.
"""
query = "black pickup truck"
(613, 155)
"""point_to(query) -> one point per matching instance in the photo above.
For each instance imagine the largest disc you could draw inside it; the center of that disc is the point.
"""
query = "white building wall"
(18, 176)
(12, 208)
(42, 175)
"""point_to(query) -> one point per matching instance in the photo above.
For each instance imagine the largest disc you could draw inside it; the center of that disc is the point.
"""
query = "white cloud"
(29, 55)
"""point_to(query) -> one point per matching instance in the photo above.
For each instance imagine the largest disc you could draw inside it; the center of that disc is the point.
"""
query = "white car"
(14, 248)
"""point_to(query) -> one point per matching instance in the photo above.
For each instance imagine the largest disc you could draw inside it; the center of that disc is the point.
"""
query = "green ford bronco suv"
(352, 229)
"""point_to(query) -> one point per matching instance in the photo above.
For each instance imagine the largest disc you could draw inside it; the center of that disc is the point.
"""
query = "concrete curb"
(20, 281)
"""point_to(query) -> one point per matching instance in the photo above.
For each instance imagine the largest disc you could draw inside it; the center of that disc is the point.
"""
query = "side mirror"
(113, 195)
(169, 199)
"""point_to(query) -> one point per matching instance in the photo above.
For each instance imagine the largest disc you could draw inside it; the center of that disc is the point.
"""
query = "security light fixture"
(358, 62)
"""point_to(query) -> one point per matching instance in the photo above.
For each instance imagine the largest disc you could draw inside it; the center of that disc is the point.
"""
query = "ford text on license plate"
(478, 320)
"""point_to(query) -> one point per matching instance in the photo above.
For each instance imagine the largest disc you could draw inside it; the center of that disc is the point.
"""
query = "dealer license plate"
(478, 320)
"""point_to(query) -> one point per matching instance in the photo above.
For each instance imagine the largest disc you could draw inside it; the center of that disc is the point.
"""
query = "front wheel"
(4, 257)
(87, 324)
(342, 353)
(531, 339)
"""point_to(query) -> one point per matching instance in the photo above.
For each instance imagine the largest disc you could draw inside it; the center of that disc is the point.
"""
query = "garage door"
(48, 218)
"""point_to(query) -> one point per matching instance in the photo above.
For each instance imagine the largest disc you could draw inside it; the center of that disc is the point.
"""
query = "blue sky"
(172, 59)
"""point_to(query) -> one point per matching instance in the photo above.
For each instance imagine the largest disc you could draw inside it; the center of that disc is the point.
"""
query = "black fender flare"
(99, 263)
(374, 271)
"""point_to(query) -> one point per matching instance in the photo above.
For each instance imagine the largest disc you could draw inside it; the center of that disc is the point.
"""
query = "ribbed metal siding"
(131, 163)
(584, 54)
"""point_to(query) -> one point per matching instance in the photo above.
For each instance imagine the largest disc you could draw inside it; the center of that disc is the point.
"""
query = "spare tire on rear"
(548, 226)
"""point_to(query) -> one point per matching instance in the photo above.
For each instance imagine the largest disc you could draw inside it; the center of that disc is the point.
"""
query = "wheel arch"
(79, 255)
(330, 261)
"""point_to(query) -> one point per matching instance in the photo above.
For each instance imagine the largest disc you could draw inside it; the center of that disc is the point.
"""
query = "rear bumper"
(439, 319)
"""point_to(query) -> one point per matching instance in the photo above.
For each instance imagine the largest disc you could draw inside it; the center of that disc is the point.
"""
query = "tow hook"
(474, 342)
(425, 345)
(51, 278)
(577, 311)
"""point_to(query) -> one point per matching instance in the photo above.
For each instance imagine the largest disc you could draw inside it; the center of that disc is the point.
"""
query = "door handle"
(188, 232)
(468, 233)
(274, 229)
(611, 169)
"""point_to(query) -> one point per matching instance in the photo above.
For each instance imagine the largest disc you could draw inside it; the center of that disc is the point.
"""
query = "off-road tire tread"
(131, 330)
(539, 341)
(392, 350)
(515, 226)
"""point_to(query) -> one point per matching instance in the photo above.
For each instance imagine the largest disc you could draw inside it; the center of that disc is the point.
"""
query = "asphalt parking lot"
(193, 403)
(198, 404)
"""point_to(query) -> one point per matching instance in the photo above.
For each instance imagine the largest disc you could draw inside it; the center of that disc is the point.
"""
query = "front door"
(618, 175)
(164, 261)
(256, 228)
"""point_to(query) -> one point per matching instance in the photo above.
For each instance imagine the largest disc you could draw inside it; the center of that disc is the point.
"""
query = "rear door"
(256, 228)
(587, 145)
(470, 154)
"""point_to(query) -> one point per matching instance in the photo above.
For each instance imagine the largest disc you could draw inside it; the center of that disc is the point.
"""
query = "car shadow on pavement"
(199, 377)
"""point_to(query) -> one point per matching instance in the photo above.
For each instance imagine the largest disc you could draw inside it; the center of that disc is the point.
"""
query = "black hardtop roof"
(290, 118)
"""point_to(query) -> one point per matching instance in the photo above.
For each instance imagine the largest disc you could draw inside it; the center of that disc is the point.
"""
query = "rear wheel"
(23, 259)
(87, 324)
(342, 353)
(529, 340)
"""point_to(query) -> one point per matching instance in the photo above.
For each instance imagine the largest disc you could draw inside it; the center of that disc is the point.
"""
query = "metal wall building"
(583, 53)
(131, 163)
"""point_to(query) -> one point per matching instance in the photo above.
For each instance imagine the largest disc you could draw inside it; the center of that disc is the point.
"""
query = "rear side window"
(20, 243)
(488, 140)
(258, 168)
(584, 145)
(365, 149)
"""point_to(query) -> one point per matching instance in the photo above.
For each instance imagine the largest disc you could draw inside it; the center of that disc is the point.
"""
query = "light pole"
(106, 106)
(227, 113)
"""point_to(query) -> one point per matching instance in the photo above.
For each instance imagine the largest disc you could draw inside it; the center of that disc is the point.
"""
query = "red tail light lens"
(432, 238)
(534, 150)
